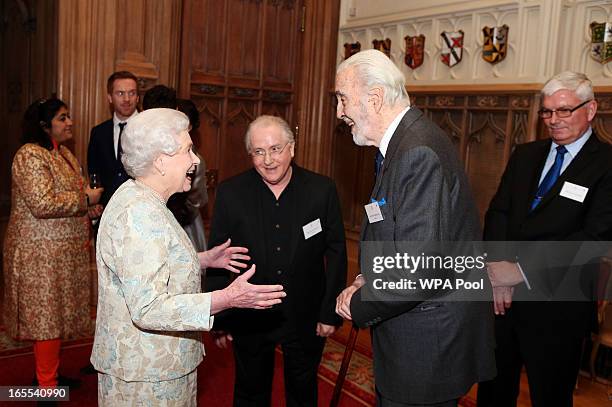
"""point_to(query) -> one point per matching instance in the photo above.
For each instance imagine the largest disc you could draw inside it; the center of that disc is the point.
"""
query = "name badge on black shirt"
(312, 228)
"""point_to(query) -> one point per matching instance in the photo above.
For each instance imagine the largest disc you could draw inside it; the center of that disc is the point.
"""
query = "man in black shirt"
(290, 220)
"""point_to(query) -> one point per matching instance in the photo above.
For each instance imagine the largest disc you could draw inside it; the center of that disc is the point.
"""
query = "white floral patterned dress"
(150, 309)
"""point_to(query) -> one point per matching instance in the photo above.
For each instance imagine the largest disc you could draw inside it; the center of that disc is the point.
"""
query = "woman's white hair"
(576, 82)
(266, 121)
(374, 68)
(149, 134)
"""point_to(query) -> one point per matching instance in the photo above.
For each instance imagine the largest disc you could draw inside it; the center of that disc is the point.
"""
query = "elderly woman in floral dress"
(150, 309)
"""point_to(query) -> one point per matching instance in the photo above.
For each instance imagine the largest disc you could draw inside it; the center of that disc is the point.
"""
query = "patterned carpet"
(359, 382)
(359, 378)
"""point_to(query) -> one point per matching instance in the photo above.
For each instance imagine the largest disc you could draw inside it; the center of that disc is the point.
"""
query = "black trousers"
(551, 360)
(255, 368)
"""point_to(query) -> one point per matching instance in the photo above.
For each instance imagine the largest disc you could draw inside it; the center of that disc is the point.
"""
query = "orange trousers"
(46, 354)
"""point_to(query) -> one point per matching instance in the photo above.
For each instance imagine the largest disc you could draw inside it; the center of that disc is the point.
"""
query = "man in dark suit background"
(558, 189)
(104, 150)
(425, 352)
(290, 220)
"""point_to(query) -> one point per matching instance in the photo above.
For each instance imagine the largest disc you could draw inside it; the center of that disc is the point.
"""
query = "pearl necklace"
(151, 190)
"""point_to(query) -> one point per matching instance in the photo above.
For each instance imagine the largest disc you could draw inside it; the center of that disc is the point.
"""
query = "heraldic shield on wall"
(351, 49)
(495, 44)
(383, 45)
(601, 42)
(415, 50)
(452, 47)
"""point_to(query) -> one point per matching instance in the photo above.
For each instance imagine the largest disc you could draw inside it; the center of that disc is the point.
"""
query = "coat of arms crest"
(495, 44)
(383, 45)
(351, 49)
(601, 42)
(415, 50)
(452, 47)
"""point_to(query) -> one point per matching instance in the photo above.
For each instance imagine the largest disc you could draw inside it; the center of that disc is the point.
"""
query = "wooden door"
(239, 59)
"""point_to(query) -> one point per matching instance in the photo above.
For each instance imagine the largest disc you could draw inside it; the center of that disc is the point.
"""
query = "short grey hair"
(267, 121)
(374, 68)
(576, 82)
(149, 134)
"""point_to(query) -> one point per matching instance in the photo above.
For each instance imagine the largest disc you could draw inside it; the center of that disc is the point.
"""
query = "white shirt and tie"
(572, 151)
(117, 129)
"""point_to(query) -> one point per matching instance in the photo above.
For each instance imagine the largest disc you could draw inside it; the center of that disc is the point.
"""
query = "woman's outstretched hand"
(242, 294)
(224, 256)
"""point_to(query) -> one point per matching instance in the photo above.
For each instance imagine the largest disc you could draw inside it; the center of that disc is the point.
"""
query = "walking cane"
(346, 359)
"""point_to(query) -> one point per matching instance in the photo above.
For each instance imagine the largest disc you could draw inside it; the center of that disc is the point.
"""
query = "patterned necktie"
(550, 178)
(378, 160)
(119, 149)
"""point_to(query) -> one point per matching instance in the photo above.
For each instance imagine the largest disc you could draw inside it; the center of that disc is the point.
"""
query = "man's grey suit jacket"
(425, 351)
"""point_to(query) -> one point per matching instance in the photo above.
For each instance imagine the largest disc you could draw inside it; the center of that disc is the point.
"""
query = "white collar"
(384, 143)
(116, 120)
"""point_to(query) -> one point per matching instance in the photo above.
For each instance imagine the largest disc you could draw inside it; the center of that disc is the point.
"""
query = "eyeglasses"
(562, 112)
(274, 151)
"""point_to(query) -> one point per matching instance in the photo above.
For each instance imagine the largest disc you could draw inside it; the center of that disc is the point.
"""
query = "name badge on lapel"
(574, 192)
(312, 228)
(373, 210)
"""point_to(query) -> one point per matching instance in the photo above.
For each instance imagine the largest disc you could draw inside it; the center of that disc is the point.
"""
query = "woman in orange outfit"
(46, 253)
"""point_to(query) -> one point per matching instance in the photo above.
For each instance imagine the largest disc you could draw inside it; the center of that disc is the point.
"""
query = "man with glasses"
(534, 203)
(290, 220)
(104, 151)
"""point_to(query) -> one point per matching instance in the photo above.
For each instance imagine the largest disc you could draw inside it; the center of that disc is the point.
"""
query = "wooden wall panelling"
(281, 49)
(203, 44)
(43, 51)
(279, 103)
(243, 54)
(603, 121)
(14, 67)
(211, 111)
(481, 120)
(353, 170)
(281, 45)
(85, 59)
(96, 38)
(484, 158)
(148, 39)
(208, 136)
(240, 112)
(202, 77)
(203, 68)
(316, 111)
(244, 41)
(28, 68)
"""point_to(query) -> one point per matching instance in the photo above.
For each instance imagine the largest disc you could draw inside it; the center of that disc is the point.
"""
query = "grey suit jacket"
(425, 351)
